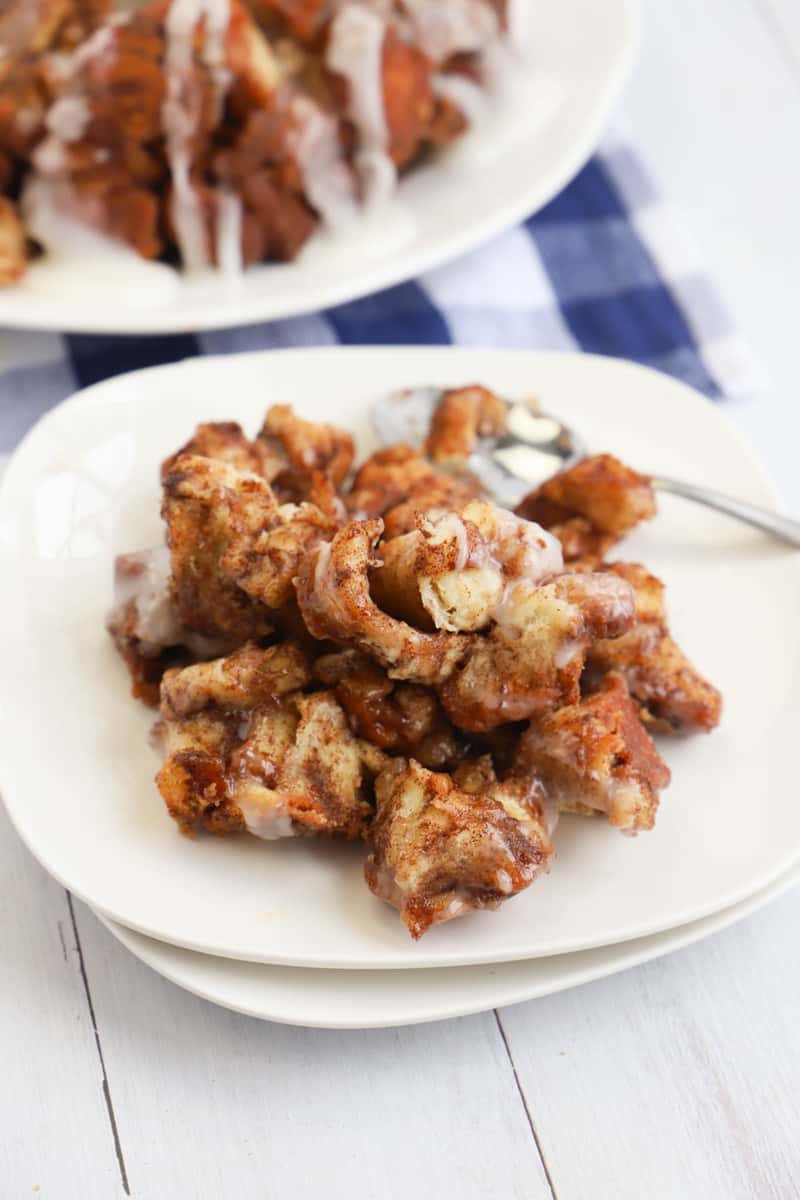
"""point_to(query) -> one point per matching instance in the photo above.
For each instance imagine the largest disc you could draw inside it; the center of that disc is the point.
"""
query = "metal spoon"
(534, 446)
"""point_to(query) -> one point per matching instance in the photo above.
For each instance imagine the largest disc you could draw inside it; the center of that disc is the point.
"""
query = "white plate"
(77, 772)
(579, 53)
(377, 999)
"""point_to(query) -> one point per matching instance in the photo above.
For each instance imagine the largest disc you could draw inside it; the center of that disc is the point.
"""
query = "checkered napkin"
(602, 268)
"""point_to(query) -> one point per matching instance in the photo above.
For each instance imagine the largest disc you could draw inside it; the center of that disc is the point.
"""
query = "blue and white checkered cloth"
(602, 268)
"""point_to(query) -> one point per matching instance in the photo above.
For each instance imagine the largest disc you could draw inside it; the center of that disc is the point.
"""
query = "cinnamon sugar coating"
(591, 506)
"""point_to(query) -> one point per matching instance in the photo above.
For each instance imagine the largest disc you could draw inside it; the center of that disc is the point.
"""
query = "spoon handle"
(783, 528)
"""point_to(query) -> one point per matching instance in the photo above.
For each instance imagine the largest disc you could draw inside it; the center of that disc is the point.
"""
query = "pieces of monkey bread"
(596, 757)
(245, 749)
(390, 656)
(437, 852)
(673, 696)
(591, 506)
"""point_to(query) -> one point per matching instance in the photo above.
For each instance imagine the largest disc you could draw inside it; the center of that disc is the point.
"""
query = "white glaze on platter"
(180, 118)
(82, 263)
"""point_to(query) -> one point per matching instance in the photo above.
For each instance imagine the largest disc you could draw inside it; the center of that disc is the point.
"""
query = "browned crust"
(596, 755)
(334, 597)
(591, 506)
(673, 695)
(468, 843)
(460, 418)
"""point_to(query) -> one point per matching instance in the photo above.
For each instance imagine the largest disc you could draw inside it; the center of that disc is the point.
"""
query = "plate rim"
(671, 941)
(86, 397)
(398, 269)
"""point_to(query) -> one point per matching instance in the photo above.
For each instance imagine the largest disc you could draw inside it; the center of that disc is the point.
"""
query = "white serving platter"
(574, 58)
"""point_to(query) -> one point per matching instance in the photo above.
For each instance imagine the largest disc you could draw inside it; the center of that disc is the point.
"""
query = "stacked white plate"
(288, 930)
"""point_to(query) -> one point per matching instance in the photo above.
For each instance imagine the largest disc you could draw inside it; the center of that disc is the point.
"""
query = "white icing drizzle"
(385, 9)
(355, 51)
(451, 527)
(265, 812)
(327, 180)
(59, 64)
(378, 176)
(229, 233)
(100, 41)
(567, 652)
(616, 593)
(217, 24)
(49, 157)
(147, 588)
(447, 27)
(179, 117)
(468, 95)
(68, 118)
(541, 555)
(480, 587)
(503, 882)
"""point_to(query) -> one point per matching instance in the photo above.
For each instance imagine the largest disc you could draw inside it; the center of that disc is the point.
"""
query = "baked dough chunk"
(242, 680)
(389, 53)
(248, 756)
(35, 37)
(456, 571)
(144, 623)
(461, 417)
(227, 442)
(596, 757)
(212, 509)
(333, 591)
(437, 852)
(13, 244)
(193, 780)
(301, 19)
(235, 551)
(265, 566)
(321, 783)
(397, 484)
(301, 460)
(298, 449)
(531, 660)
(401, 718)
(34, 26)
(443, 31)
(591, 506)
(674, 696)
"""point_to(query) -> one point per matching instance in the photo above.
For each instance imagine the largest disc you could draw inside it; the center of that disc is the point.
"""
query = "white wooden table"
(675, 1081)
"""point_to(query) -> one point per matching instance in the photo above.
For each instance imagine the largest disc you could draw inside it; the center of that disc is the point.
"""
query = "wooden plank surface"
(211, 1104)
(676, 1080)
(56, 1134)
